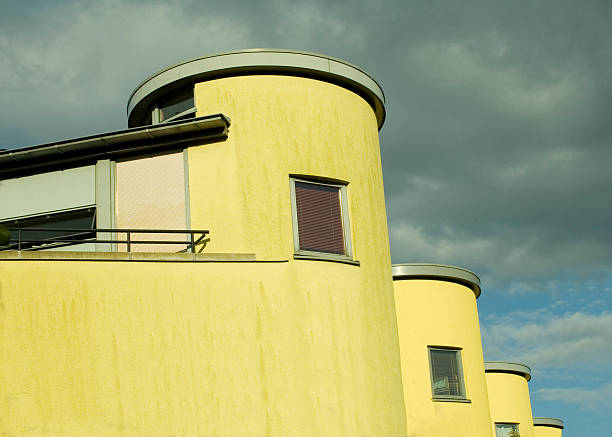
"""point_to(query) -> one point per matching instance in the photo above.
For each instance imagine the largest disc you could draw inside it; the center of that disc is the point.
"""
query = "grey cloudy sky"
(497, 147)
(497, 144)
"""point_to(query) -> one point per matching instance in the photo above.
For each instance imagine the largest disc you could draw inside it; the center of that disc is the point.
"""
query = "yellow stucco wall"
(438, 313)
(288, 348)
(509, 401)
(547, 431)
(284, 125)
(215, 349)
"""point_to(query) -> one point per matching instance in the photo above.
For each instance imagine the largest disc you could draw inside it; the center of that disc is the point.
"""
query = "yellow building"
(509, 398)
(441, 353)
(222, 267)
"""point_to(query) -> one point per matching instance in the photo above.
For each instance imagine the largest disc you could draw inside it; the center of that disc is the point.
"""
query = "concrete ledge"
(548, 421)
(255, 61)
(459, 400)
(329, 258)
(24, 255)
(437, 272)
(508, 367)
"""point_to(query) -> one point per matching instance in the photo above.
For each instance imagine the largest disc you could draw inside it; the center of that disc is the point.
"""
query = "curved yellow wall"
(214, 349)
(285, 125)
(431, 312)
(281, 347)
(509, 401)
(547, 431)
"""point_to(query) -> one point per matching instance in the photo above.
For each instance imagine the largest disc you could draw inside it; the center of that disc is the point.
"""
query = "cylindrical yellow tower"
(547, 427)
(441, 353)
(509, 398)
(283, 326)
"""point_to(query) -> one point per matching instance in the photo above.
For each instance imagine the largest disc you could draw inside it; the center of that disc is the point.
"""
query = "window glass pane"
(176, 105)
(506, 430)
(82, 219)
(445, 373)
(319, 217)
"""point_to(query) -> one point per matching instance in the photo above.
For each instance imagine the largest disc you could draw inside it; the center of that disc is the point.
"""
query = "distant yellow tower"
(509, 398)
(547, 427)
(441, 353)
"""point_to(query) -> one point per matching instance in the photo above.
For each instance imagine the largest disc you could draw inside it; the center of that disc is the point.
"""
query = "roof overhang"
(151, 139)
(437, 272)
(508, 367)
(255, 61)
(548, 421)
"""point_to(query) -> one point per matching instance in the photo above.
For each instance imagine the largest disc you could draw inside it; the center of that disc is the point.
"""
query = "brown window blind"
(319, 218)
(446, 379)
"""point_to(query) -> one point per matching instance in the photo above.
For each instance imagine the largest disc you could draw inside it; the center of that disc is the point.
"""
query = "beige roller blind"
(151, 195)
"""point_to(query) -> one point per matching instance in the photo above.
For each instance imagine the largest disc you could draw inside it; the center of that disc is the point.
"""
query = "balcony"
(36, 239)
(113, 244)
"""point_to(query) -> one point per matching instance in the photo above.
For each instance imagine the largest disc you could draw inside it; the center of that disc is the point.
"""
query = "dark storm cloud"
(503, 165)
(496, 149)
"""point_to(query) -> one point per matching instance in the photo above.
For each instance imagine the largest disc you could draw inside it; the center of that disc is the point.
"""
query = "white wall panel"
(46, 192)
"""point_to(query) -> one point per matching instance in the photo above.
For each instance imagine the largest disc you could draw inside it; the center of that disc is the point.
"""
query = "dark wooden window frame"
(346, 230)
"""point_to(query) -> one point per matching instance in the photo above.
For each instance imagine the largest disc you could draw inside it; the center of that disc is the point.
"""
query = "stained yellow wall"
(215, 349)
(288, 348)
(284, 125)
(509, 401)
(547, 431)
(438, 313)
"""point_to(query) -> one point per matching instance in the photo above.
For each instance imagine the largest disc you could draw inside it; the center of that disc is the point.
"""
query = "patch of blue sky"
(564, 333)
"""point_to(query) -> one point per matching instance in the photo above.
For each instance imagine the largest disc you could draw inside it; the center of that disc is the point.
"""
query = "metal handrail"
(80, 236)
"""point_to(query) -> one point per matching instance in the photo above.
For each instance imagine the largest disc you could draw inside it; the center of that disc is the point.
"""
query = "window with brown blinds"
(319, 218)
(321, 226)
(446, 373)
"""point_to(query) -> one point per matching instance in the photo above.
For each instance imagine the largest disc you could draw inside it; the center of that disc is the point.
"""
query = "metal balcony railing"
(62, 237)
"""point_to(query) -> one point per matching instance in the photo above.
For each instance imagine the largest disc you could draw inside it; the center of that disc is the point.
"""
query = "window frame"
(514, 424)
(450, 398)
(344, 212)
(157, 108)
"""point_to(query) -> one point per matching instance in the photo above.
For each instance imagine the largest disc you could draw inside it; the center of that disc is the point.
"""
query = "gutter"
(138, 141)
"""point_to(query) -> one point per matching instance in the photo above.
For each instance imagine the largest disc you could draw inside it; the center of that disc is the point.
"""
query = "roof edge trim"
(548, 421)
(112, 145)
(255, 61)
(508, 367)
(437, 272)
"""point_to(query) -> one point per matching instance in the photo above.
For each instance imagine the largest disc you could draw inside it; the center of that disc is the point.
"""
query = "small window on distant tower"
(320, 218)
(446, 373)
(507, 430)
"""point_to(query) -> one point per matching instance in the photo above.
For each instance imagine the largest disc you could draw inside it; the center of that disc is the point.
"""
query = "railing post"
(128, 240)
(192, 242)
(19, 239)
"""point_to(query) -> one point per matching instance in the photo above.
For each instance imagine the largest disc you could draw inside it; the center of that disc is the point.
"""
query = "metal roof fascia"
(26, 159)
(256, 61)
(548, 421)
(508, 367)
(437, 272)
